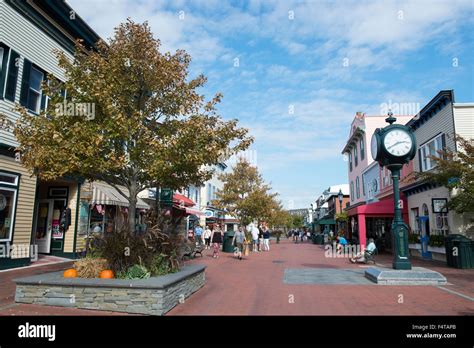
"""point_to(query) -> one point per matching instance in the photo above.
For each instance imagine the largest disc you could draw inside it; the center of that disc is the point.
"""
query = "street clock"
(392, 147)
(394, 144)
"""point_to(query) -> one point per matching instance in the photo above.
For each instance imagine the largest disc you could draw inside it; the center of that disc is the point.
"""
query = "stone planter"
(152, 296)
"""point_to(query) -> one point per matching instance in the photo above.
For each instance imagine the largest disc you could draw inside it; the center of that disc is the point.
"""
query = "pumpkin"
(70, 273)
(106, 274)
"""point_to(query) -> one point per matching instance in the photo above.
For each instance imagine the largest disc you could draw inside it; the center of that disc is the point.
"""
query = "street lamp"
(340, 196)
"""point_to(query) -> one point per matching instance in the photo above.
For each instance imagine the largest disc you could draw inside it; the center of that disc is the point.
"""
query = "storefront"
(55, 217)
(374, 221)
(104, 209)
(17, 201)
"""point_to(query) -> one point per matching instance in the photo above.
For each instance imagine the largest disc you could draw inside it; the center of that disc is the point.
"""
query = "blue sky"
(304, 68)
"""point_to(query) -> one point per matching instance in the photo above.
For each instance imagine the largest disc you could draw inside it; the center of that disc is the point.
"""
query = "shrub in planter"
(436, 241)
(413, 238)
(137, 272)
(90, 267)
(124, 249)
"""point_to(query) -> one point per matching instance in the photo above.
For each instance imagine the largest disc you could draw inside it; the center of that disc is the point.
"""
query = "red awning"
(182, 200)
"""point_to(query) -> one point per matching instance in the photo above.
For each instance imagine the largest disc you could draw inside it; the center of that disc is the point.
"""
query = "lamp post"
(340, 196)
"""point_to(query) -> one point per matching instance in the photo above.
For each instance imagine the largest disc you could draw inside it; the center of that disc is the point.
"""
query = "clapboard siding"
(25, 203)
(31, 43)
(442, 122)
(464, 120)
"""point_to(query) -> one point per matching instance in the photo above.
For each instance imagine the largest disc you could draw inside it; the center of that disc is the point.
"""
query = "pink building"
(370, 214)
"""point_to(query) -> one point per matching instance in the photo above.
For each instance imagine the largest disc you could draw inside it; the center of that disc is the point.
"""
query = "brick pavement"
(255, 286)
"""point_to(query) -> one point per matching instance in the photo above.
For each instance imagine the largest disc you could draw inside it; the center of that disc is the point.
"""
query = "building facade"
(34, 214)
(370, 213)
(430, 219)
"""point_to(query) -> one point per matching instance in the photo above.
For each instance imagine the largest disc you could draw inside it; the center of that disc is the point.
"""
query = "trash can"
(227, 246)
(318, 238)
(459, 251)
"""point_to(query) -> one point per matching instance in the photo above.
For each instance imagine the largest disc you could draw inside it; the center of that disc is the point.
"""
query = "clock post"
(399, 228)
(394, 146)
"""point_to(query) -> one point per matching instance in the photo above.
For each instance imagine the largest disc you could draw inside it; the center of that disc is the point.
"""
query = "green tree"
(150, 127)
(455, 170)
(245, 195)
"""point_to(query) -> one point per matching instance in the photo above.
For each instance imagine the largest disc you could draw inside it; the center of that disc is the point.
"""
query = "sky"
(296, 72)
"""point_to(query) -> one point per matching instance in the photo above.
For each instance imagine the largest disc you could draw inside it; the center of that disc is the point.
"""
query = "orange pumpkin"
(106, 274)
(70, 273)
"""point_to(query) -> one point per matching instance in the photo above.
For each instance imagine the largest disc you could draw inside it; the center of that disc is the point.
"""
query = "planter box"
(416, 246)
(439, 250)
(153, 296)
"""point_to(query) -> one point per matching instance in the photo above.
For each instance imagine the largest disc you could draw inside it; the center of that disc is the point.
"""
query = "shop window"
(8, 201)
(428, 150)
(415, 214)
(362, 149)
(8, 72)
(8, 179)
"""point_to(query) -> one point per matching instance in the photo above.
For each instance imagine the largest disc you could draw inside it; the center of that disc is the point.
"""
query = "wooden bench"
(191, 250)
(369, 256)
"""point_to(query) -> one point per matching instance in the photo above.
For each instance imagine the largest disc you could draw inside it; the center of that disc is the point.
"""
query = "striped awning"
(103, 193)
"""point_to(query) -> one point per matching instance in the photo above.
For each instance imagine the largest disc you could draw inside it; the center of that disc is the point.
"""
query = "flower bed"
(152, 296)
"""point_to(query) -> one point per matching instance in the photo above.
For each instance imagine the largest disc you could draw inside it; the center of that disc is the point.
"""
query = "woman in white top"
(207, 237)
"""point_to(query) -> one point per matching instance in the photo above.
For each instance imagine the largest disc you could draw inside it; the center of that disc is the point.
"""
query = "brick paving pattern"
(290, 279)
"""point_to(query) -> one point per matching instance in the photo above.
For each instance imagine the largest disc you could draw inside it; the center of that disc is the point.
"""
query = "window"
(416, 221)
(363, 186)
(8, 198)
(355, 155)
(350, 161)
(31, 96)
(352, 190)
(357, 187)
(362, 149)
(430, 149)
(8, 72)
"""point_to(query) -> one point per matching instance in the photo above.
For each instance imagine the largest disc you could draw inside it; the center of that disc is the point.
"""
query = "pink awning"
(194, 211)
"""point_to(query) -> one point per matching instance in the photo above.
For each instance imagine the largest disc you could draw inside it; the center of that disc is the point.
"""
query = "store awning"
(105, 194)
(326, 222)
(194, 211)
(182, 200)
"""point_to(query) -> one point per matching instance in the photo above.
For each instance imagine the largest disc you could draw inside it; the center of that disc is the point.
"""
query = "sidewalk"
(259, 285)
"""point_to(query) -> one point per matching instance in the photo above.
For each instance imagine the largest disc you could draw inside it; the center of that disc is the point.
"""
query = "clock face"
(397, 142)
(373, 146)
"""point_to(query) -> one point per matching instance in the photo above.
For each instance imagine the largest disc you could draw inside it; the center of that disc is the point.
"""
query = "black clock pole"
(401, 258)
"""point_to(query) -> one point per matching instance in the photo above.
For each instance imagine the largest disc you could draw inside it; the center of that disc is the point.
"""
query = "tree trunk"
(132, 206)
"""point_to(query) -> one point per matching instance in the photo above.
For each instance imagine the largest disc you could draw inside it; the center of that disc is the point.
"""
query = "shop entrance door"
(48, 235)
(424, 236)
(43, 225)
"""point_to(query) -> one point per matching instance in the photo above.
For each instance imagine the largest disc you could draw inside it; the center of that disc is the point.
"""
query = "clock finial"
(390, 119)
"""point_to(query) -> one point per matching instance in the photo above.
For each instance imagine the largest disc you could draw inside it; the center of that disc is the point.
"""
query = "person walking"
(266, 239)
(254, 231)
(260, 238)
(198, 234)
(238, 241)
(207, 237)
(216, 239)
